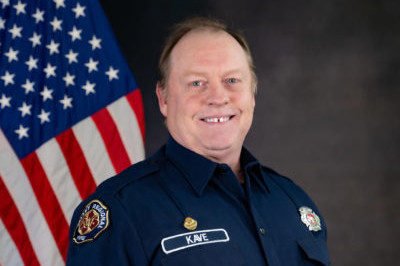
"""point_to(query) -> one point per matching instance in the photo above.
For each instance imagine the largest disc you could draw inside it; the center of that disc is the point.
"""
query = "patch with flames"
(93, 221)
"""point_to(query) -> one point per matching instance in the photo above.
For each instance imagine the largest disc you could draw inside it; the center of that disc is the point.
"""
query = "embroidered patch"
(94, 220)
(178, 242)
(310, 219)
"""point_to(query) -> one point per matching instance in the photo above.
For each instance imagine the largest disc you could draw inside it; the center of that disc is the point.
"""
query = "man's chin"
(217, 149)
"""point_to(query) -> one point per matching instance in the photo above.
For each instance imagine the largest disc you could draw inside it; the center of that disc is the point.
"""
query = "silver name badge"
(178, 242)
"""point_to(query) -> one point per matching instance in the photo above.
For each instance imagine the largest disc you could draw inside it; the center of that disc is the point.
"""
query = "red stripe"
(13, 222)
(112, 139)
(77, 163)
(135, 100)
(48, 201)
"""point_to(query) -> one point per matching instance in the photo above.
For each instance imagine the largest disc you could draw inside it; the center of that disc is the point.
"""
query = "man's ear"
(162, 101)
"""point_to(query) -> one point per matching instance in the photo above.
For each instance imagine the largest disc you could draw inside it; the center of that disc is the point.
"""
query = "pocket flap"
(315, 249)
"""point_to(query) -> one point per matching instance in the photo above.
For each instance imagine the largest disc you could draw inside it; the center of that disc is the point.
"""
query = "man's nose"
(217, 94)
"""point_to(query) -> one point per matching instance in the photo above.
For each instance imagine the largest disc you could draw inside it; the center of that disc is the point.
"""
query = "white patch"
(182, 241)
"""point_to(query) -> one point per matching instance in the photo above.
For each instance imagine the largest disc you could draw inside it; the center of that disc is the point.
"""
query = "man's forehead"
(204, 38)
(207, 46)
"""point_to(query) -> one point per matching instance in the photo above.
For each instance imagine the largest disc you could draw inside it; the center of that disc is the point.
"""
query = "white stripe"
(56, 168)
(129, 129)
(19, 187)
(94, 150)
(9, 254)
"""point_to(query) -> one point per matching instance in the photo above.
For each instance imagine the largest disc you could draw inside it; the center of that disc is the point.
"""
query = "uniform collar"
(199, 170)
(196, 169)
(253, 169)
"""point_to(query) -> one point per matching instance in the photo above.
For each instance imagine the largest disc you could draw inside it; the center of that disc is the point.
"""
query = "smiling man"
(202, 199)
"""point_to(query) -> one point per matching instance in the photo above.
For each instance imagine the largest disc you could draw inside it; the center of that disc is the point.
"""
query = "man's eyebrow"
(194, 73)
(200, 73)
(233, 71)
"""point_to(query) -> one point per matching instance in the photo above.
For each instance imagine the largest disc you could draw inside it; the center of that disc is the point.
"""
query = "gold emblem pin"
(190, 223)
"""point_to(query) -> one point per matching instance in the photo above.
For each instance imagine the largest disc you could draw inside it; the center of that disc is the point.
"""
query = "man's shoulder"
(107, 192)
(294, 191)
(131, 175)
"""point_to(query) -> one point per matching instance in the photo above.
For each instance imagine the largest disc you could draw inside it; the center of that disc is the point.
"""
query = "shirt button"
(262, 231)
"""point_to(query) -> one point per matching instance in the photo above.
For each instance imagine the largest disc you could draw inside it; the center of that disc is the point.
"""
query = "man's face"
(209, 104)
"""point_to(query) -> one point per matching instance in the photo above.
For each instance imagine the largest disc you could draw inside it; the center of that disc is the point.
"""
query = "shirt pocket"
(217, 254)
(315, 250)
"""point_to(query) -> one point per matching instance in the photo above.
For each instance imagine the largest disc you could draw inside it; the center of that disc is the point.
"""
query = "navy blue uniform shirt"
(137, 218)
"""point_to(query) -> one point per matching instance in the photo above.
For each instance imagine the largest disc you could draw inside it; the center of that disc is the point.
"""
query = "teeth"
(217, 120)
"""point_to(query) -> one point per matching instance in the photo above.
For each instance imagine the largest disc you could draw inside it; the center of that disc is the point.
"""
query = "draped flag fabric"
(70, 114)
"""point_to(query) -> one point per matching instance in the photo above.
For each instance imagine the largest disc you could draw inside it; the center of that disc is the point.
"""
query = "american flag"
(70, 114)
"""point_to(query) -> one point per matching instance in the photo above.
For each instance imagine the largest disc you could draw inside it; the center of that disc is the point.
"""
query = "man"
(202, 199)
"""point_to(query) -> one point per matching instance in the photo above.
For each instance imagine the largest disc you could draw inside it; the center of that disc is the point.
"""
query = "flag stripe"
(127, 125)
(13, 223)
(59, 176)
(48, 201)
(135, 100)
(94, 149)
(9, 254)
(77, 163)
(112, 139)
(18, 185)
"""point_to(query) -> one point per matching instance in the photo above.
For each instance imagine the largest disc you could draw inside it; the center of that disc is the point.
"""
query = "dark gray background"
(327, 112)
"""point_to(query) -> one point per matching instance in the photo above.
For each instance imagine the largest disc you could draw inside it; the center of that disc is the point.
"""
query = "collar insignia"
(310, 219)
(93, 221)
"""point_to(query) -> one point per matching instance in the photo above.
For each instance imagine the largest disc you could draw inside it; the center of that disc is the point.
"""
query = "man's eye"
(232, 80)
(196, 83)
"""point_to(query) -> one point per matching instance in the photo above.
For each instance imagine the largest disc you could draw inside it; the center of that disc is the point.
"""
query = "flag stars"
(12, 55)
(38, 16)
(92, 65)
(35, 39)
(66, 102)
(112, 73)
(2, 23)
(44, 116)
(71, 56)
(56, 24)
(89, 87)
(5, 101)
(95, 42)
(46, 94)
(59, 3)
(8, 78)
(79, 10)
(32, 63)
(4, 3)
(75, 34)
(25, 109)
(53, 47)
(22, 132)
(50, 70)
(28, 86)
(15, 31)
(69, 79)
(20, 8)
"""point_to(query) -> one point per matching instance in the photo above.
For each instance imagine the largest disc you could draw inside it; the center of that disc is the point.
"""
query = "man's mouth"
(217, 119)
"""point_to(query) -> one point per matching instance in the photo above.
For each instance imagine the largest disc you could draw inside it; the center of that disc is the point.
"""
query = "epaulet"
(131, 174)
(278, 176)
(297, 194)
(270, 170)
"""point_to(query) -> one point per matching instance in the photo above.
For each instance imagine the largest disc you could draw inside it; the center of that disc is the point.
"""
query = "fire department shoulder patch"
(310, 219)
(93, 221)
